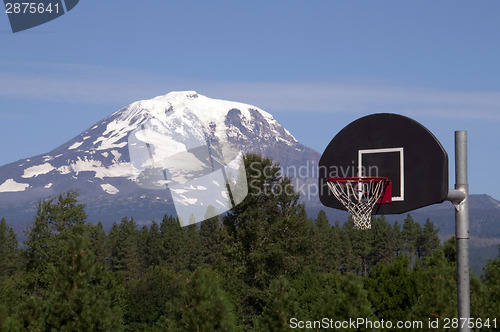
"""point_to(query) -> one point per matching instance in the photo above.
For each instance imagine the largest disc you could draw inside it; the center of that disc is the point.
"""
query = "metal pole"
(462, 229)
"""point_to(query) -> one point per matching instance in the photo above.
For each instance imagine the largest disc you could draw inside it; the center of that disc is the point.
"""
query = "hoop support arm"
(457, 197)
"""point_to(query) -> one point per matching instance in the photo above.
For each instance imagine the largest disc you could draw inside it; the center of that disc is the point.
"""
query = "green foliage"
(57, 220)
(202, 305)
(481, 305)
(253, 269)
(8, 321)
(81, 295)
(148, 297)
(153, 249)
(266, 236)
(174, 242)
(124, 250)
(436, 288)
(192, 247)
(385, 241)
(363, 249)
(339, 297)
(450, 249)
(312, 296)
(392, 289)
(210, 240)
(397, 237)
(97, 242)
(326, 247)
(281, 305)
(268, 233)
(428, 240)
(360, 242)
(491, 279)
(411, 233)
(350, 261)
(12, 292)
(9, 254)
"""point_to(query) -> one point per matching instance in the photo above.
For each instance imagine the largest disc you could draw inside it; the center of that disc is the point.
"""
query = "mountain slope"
(97, 162)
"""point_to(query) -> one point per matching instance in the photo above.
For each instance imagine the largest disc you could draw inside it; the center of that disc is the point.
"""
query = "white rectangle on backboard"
(401, 197)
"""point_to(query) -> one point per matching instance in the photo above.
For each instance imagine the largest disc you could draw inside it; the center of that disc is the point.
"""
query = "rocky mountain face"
(97, 163)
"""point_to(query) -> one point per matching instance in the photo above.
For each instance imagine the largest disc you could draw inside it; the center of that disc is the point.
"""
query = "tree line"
(254, 269)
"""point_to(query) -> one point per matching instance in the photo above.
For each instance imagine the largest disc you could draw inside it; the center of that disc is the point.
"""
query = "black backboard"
(393, 146)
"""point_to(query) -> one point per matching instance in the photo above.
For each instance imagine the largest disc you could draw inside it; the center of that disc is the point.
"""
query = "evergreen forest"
(254, 269)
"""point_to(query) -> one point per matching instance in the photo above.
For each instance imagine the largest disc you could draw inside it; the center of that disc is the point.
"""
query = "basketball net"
(359, 196)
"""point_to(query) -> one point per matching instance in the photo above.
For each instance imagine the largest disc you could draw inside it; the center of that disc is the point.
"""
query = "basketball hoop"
(359, 196)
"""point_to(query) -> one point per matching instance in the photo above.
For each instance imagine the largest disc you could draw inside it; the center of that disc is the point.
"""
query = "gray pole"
(462, 229)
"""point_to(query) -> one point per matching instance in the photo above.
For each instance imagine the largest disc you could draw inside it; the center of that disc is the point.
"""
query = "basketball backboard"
(392, 146)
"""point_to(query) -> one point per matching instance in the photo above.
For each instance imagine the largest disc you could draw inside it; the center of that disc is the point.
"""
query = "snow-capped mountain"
(97, 162)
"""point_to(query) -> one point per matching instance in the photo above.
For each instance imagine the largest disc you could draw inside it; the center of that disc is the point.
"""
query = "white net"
(359, 196)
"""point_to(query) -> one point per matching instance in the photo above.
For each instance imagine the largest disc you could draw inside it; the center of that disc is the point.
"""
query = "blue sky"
(315, 65)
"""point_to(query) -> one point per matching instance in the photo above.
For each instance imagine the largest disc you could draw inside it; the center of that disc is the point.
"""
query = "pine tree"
(57, 221)
(436, 288)
(8, 322)
(269, 224)
(267, 235)
(210, 239)
(397, 237)
(80, 296)
(111, 240)
(341, 297)
(193, 248)
(450, 249)
(154, 250)
(428, 240)
(335, 247)
(479, 298)
(202, 306)
(350, 262)
(125, 259)
(325, 240)
(9, 254)
(148, 297)
(491, 280)
(174, 242)
(362, 241)
(281, 305)
(392, 289)
(97, 242)
(142, 236)
(331, 295)
(383, 242)
(355, 250)
(310, 286)
(411, 234)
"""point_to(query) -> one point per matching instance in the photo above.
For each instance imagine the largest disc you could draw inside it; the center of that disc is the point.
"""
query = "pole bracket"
(456, 197)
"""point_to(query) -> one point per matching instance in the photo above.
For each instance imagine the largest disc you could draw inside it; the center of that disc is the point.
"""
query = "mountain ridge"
(97, 161)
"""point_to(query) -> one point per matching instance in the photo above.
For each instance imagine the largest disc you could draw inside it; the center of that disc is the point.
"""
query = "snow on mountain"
(97, 162)
(12, 186)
